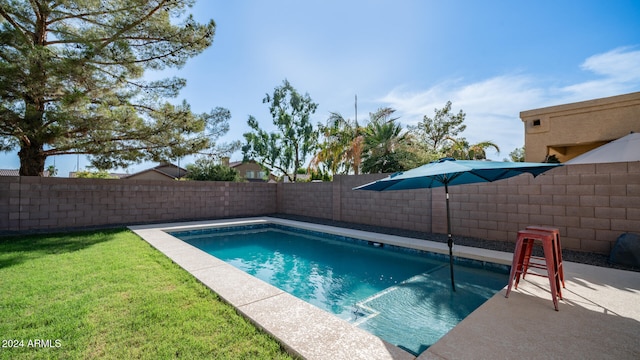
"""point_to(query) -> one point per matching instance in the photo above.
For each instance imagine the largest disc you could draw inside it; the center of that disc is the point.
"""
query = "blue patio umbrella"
(449, 171)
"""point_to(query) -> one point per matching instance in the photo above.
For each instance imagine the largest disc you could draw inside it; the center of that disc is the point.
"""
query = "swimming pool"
(400, 295)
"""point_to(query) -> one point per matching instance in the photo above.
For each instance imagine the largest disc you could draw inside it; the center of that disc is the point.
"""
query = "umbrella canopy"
(448, 171)
(624, 149)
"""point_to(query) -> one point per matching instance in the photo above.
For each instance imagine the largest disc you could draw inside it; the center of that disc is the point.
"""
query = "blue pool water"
(402, 296)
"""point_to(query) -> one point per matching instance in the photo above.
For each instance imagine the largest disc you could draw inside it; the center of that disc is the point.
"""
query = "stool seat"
(522, 260)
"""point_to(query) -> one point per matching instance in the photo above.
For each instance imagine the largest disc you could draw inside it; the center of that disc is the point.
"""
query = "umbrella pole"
(449, 238)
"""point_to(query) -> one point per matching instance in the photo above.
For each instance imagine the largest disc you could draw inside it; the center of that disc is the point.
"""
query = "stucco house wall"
(249, 170)
(569, 130)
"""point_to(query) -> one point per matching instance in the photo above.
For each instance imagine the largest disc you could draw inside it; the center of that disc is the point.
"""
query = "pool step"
(363, 313)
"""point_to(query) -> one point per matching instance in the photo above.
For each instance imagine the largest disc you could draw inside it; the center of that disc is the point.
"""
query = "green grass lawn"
(109, 294)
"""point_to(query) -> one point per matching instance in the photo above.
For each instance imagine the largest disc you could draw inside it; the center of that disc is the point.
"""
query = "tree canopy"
(286, 149)
(517, 155)
(71, 81)
(387, 147)
(381, 145)
(462, 150)
(341, 149)
(99, 174)
(206, 169)
(434, 132)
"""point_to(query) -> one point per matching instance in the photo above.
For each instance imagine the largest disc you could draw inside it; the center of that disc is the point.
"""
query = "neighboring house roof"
(9, 172)
(167, 170)
(235, 164)
(12, 172)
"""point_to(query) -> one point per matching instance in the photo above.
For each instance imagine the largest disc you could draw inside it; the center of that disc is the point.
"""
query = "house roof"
(238, 163)
(14, 172)
(9, 172)
(166, 169)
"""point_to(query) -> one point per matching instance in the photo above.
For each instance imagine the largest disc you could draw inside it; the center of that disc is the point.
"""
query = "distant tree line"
(345, 146)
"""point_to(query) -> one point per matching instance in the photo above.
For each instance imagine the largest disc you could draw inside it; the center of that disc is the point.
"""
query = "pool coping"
(311, 333)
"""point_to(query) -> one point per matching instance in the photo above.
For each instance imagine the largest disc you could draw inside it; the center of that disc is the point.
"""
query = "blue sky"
(491, 59)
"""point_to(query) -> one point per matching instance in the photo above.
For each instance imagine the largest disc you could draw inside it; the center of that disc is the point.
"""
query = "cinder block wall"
(307, 199)
(41, 204)
(5, 201)
(590, 204)
(411, 210)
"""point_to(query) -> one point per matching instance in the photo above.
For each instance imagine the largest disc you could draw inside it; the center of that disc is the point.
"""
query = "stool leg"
(523, 259)
(515, 264)
(527, 256)
(559, 258)
(551, 270)
(557, 267)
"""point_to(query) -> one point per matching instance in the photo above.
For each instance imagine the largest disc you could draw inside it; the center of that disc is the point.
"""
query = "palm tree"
(382, 115)
(385, 148)
(462, 150)
(341, 151)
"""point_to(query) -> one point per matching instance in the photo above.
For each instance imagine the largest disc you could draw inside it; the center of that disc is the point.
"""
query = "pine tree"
(71, 80)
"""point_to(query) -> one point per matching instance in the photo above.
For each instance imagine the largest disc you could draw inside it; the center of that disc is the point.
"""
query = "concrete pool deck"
(599, 316)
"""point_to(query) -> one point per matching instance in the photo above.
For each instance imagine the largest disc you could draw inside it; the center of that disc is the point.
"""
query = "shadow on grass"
(15, 250)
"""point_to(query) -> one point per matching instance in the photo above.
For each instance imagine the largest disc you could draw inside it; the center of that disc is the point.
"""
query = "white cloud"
(502, 96)
(412, 105)
(493, 105)
(619, 72)
(619, 64)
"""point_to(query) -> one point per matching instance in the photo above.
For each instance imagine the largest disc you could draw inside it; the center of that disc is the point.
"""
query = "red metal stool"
(558, 252)
(526, 238)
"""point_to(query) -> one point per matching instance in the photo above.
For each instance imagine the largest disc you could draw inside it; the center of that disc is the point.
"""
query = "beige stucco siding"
(572, 129)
